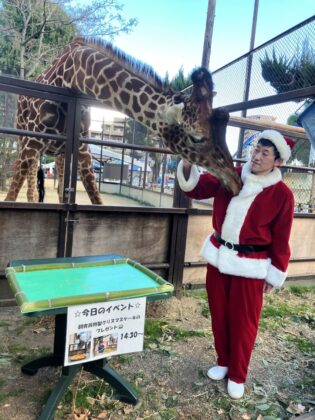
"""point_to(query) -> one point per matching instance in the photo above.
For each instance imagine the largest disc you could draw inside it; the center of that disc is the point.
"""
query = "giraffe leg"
(60, 164)
(87, 175)
(32, 195)
(26, 160)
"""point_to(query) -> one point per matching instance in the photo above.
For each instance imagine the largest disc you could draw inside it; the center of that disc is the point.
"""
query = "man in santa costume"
(248, 253)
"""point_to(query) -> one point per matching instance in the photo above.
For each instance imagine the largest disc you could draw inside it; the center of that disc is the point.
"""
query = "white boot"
(217, 372)
(235, 390)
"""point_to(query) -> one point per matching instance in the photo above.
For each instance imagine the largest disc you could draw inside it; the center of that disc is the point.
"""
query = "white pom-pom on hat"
(282, 144)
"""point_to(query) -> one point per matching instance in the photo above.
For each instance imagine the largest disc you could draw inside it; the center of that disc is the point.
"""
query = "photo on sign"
(105, 344)
(79, 346)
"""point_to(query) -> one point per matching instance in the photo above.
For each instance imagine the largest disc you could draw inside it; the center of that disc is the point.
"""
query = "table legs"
(68, 373)
(125, 392)
(32, 367)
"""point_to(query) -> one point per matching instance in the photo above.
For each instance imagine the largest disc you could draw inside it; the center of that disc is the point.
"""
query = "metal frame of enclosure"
(156, 237)
(66, 215)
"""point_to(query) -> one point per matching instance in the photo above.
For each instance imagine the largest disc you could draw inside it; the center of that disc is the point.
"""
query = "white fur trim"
(275, 277)
(239, 205)
(252, 182)
(191, 183)
(228, 262)
(209, 252)
(279, 141)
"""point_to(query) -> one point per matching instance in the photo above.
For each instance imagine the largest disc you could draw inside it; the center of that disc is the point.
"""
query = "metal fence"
(244, 75)
(284, 64)
(291, 66)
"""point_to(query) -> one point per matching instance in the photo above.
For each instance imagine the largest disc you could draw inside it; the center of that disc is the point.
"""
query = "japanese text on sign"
(96, 331)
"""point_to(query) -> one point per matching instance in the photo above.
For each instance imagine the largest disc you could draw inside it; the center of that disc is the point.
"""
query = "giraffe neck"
(100, 71)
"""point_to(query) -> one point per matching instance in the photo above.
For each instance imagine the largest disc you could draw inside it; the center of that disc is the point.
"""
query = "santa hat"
(282, 143)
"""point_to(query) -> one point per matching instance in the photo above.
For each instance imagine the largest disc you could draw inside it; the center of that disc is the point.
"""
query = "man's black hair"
(268, 143)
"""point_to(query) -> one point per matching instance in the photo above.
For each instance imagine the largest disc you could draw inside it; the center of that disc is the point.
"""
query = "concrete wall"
(143, 237)
(27, 234)
(141, 234)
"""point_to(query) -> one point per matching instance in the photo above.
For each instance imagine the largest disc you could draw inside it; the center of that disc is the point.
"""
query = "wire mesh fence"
(287, 62)
(283, 64)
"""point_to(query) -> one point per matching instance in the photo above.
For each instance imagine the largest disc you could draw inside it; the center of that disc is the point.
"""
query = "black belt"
(244, 249)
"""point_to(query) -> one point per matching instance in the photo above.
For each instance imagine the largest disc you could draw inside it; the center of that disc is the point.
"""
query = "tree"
(32, 32)
(301, 150)
(286, 74)
(180, 81)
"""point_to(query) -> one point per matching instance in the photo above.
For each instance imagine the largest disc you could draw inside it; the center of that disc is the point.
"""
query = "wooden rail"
(249, 123)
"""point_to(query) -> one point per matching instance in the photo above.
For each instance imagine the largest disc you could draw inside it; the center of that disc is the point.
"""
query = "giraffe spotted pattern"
(186, 124)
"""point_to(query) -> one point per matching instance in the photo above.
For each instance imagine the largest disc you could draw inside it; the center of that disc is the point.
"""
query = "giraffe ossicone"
(186, 124)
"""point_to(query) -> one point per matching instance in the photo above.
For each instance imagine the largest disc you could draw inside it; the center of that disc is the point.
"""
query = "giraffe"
(186, 124)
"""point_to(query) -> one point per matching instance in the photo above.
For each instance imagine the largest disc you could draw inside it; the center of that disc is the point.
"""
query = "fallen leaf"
(295, 408)
(127, 410)
(80, 413)
(152, 346)
(102, 415)
(90, 400)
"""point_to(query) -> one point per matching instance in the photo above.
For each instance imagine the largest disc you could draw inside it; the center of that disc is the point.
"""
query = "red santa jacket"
(261, 214)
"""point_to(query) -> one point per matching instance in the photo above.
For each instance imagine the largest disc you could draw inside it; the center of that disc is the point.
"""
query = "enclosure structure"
(167, 233)
(167, 240)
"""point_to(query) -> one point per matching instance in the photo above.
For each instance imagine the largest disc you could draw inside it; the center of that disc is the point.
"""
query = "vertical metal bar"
(62, 229)
(64, 214)
(177, 249)
(75, 152)
(71, 165)
(163, 172)
(122, 159)
(68, 149)
(101, 157)
(132, 153)
(145, 170)
(180, 199)
(178, 239)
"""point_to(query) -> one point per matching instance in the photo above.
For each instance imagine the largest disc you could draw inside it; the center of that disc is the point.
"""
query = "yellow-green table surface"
(45, 286)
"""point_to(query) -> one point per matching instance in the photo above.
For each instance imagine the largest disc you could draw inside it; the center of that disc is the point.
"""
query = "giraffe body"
(121, 83)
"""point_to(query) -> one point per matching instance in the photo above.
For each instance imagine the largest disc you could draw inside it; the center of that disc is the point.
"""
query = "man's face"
(263, 160)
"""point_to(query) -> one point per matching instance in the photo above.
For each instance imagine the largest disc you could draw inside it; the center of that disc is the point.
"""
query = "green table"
(50, 286)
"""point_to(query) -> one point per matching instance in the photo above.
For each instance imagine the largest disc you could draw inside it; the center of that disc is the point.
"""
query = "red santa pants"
(235, 304)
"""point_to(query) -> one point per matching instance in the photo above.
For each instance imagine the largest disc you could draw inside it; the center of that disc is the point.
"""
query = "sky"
(170, 33)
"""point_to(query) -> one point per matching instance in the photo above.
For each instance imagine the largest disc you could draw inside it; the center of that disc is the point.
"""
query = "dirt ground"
(51, 195)
(170, 374)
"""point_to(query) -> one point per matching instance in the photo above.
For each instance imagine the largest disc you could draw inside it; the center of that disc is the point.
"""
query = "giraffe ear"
(173, 114)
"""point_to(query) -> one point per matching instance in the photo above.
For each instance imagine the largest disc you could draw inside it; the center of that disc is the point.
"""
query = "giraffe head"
(197, 132)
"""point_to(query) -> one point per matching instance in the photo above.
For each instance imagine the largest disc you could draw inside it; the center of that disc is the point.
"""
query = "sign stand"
(125, 392)
(102, 299)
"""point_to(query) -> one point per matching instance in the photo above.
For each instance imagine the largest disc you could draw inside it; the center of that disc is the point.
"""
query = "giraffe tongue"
(198, 140)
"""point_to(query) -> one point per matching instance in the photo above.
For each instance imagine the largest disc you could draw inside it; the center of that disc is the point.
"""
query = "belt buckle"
(229, 245)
